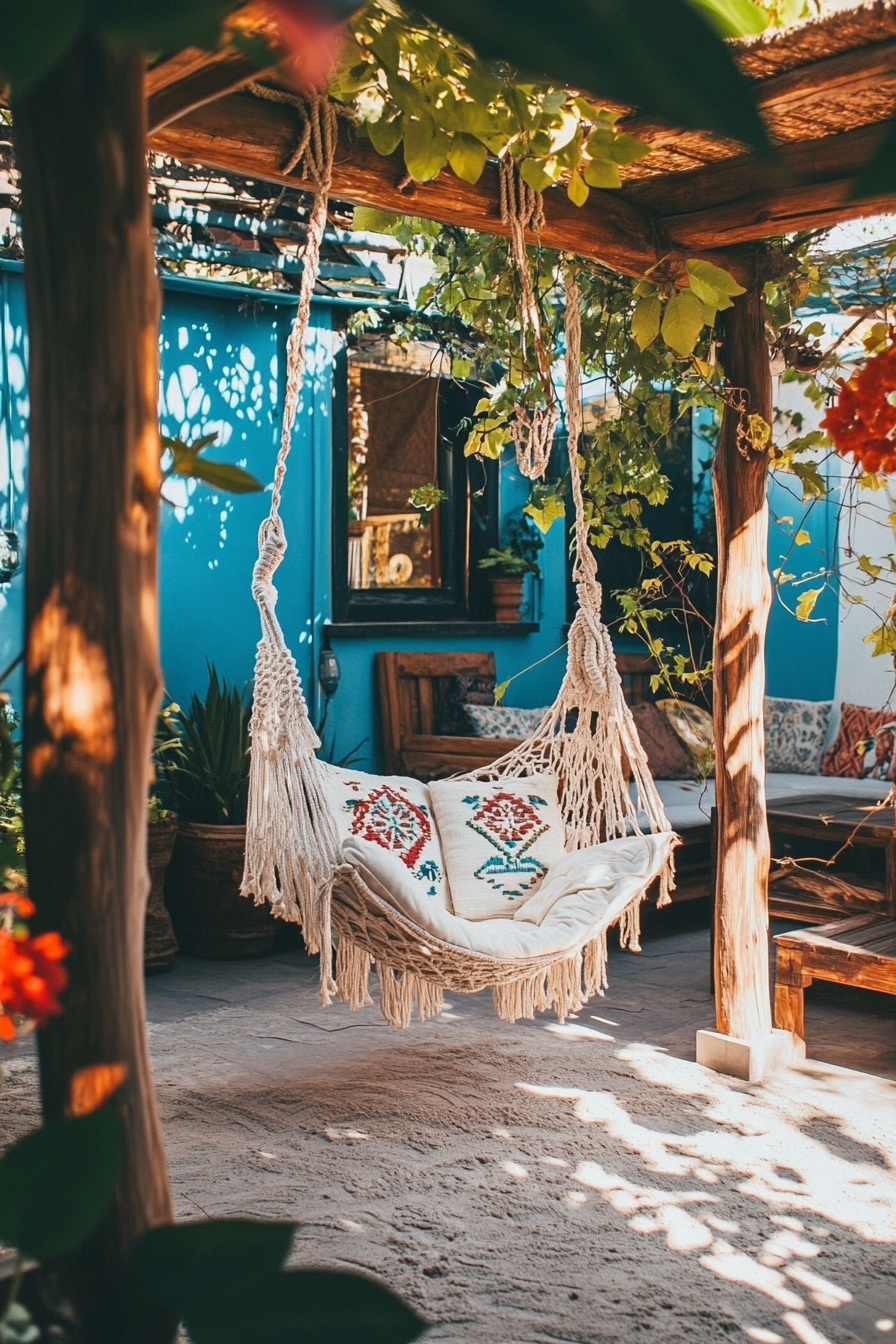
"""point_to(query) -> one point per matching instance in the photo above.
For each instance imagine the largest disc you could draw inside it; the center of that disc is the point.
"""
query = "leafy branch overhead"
(416, 85)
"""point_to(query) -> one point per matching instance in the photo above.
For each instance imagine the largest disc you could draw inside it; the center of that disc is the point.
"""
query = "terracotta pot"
(159, 942)
(202, 891)
(507, 595)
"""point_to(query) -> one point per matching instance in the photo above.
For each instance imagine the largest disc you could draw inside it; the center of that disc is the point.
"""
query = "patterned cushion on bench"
(464, 688)
(795, 733)
(864, 745)
(502, 721)
(667, 756)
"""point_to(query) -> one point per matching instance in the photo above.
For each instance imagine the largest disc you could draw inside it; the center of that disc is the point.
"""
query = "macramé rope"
(532, 431)
(587, 739)
(292, 845)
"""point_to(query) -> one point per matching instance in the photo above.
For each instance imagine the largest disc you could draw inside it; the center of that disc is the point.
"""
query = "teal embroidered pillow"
(391, 816)
(795, 734)
(499, 839)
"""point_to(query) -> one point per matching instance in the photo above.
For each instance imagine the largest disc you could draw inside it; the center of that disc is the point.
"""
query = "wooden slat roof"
(825, 87)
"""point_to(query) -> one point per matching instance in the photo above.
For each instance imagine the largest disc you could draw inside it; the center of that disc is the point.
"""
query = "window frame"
(469, 522)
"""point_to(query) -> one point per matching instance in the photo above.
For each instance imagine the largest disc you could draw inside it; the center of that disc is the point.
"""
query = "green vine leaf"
(682, 321)
(545, 510)
(602, 173)
(385, 135)
(467, 156)
(425, 147)
(646, 320)
(715, 286)
(577, 190)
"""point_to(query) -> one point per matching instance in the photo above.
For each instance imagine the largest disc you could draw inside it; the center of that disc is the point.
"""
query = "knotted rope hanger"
(532, 431)
(292, 846)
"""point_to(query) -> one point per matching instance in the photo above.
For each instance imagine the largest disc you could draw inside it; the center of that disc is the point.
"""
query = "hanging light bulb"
(10, 554)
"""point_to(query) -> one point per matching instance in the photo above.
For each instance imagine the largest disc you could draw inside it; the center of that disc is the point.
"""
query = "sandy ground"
(536, 1182)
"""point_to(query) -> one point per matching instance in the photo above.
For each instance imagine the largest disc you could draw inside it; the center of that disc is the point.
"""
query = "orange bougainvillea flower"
(31, 977)
(20, 905)
(863, 419)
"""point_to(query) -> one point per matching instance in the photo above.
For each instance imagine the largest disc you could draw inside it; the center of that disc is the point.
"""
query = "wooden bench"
(860, 952)
(413, 688)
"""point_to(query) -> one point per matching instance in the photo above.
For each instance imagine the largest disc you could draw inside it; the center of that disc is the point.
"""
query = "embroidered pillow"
(464, 688)
(694, 727)
(864, 745)
(392, 816)
(667, 755)
(795, 733)
(500, 721)
(499, 838)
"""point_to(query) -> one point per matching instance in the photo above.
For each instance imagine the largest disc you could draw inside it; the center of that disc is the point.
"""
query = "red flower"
(31, 977)
(863, 419)
(21, 905)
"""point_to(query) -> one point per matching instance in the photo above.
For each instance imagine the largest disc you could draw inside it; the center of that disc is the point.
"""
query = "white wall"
(861, 678)
(863, 529)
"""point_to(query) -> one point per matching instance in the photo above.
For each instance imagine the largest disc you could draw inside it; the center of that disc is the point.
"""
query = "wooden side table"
(812, 828)
(860, 952)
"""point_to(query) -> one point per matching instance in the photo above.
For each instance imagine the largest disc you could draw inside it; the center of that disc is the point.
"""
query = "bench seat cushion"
(689, 802)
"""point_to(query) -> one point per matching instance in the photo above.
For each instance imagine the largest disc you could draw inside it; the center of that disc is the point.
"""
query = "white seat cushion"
(689, 802)
(499, 838)
(582, 895)
(390, 817)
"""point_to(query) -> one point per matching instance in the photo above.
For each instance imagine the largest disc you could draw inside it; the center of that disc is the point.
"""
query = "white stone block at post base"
(751, 1060)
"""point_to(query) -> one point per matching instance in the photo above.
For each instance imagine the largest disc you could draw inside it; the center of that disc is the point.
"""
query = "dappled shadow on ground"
(538, 1182)
(812, 1151)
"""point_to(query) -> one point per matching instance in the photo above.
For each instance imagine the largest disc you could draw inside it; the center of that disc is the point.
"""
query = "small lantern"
(10, 554)
(328, 672)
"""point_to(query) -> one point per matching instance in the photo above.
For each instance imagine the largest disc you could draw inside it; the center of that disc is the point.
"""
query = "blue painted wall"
(222, 361)
(14, 409)
(801, 656)
(222, 371)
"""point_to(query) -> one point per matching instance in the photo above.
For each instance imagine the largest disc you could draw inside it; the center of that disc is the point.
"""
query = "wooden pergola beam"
(797, 94)
(191, 79)
(740, 199)
(254, 137)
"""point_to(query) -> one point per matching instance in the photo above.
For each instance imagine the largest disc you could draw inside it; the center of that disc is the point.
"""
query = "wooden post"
(740, 476)
(92, 674)
(740, 473)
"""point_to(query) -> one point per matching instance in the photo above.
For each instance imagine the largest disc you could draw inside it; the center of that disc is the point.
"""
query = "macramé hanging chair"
(587, 740)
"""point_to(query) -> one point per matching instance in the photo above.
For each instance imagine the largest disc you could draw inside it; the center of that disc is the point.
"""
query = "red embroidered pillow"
(667, 755)
(392, 817)
(864, 745)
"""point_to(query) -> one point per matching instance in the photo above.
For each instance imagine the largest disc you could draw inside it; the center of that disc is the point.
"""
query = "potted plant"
(508, 566)
(159, 941)
(208, 782)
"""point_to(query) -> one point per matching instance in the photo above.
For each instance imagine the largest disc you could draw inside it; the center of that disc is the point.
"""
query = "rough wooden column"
(740, 476)
(92, 672)
(740, 473)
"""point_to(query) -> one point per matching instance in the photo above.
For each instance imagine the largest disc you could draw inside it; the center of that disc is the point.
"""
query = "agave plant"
(208, 775)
